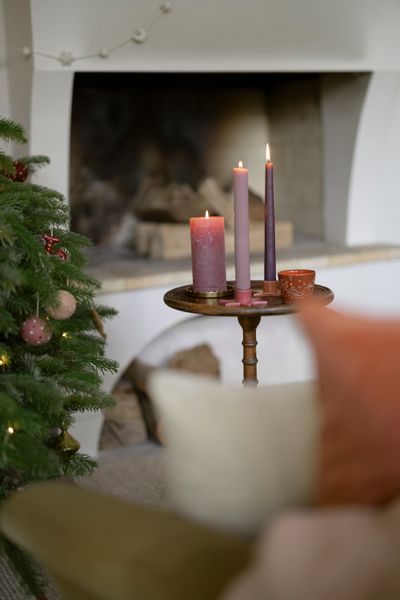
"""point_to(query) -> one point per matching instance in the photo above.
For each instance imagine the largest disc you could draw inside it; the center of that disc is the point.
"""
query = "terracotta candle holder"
(296, 284)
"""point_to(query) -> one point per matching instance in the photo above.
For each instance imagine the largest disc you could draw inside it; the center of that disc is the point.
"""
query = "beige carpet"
(135, 473)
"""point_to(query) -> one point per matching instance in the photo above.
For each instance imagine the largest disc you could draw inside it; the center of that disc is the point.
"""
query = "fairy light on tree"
(4, 360)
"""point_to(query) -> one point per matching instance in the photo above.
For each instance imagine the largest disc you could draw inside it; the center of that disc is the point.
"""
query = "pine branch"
(78, 465)
(34, 163)
(8, 326)
(83, 402)
(6, 167)
(12, 132)
(45, 192)
(42, 396)
(85, 381)
(27, 570)
(106, 311)
(25, 456)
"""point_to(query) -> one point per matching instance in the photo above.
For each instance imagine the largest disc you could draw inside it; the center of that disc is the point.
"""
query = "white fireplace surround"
(360, 115)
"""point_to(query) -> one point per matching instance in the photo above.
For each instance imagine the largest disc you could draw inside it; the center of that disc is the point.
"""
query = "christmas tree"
(52, 346)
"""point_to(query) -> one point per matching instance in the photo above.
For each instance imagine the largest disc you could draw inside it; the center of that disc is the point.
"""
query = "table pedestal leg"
(249, 343)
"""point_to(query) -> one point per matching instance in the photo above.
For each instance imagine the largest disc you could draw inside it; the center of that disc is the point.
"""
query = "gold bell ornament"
(65, 444)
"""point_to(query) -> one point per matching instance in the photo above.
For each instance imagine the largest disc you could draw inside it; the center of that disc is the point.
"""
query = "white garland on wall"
(139, 36)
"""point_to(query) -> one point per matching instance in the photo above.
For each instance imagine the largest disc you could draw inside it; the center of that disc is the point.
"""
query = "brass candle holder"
(230, 290)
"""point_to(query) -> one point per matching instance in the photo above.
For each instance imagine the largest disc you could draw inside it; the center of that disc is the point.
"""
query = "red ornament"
(36, 331)
(65, 307)
(49, 241)
(21, 171)
(61, 254)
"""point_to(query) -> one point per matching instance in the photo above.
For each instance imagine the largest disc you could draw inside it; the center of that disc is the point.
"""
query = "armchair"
(97, 547)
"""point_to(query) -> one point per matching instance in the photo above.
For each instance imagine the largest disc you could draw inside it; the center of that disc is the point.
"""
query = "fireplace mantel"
(121, 273)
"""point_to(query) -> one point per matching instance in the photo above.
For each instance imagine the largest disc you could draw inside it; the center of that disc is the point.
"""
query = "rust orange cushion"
(358, 361)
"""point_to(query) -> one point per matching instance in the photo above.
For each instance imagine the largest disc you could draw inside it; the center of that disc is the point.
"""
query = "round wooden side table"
(249, 317)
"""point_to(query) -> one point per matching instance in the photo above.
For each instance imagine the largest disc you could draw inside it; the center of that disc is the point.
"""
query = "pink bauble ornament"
(36, 331)
(65, 306)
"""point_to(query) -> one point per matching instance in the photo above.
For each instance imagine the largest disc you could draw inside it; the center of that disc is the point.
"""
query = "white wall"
(230, 35)
(387, 199)
(16, 24)
(361, 124)
(4, 90)
(374, 192)
(50, 129)
(342, 99)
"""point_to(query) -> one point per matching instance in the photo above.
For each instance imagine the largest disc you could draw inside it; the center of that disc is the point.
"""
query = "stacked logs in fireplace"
(162, 231)
(154, 224)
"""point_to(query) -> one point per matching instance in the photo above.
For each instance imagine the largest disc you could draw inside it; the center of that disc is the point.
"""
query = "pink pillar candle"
(241, 210)
(208, 254)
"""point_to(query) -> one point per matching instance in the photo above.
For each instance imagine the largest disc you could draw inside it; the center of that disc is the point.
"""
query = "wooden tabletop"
(180, 298)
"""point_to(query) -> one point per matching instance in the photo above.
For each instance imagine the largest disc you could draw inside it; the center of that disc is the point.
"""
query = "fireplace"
(159, 148)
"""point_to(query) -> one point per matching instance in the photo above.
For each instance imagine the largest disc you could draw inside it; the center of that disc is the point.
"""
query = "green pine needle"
(34, 162)
(27, 569)
(6, 166)
(12, 132)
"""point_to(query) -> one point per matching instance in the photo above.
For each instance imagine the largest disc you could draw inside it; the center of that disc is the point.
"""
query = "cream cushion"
(236, 456)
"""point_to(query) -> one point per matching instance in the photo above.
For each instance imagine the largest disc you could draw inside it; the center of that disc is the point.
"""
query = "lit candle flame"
(207, 216)
(240, 164)
(267, 153)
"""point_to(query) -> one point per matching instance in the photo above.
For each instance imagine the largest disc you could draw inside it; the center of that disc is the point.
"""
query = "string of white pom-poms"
(139, 36)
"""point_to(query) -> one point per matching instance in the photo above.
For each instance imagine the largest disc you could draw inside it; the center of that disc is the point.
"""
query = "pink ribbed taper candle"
(207, 236)
(241, 213)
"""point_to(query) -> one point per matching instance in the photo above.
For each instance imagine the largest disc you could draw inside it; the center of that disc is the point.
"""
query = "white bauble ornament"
(64, 308)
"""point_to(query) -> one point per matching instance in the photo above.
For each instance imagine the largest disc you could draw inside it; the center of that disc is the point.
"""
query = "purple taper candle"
(270, 258)
(241, 214)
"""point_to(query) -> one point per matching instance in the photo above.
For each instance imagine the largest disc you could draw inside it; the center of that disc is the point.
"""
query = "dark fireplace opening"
(150, 150)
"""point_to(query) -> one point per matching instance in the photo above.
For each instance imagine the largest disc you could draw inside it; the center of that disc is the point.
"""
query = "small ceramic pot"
(296, 284)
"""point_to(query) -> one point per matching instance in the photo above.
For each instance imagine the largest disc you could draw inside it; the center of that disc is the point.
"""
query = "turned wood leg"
(249, 343)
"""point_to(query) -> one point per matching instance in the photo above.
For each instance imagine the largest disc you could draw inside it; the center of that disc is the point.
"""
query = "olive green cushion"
(99, 547)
